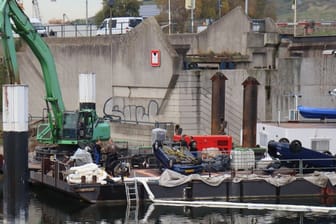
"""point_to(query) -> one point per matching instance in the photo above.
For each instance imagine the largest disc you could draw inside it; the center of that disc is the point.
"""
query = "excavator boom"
(62, 126)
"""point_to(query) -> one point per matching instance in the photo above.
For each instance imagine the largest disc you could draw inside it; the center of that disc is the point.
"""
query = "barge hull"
(228, 190)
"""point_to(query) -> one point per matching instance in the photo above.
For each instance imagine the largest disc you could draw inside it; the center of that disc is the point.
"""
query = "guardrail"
(224, 161)
(299, 166)
(90, 30)
(71, 30)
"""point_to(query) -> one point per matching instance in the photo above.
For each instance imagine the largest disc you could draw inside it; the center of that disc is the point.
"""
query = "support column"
(15, 143)
(250, 110)
(218, 104)
(87, 91)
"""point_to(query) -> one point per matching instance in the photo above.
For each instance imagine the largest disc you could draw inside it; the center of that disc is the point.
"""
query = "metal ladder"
(132, 196)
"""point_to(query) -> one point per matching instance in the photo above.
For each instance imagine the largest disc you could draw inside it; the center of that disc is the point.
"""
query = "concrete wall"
(303, 71)
(189, 102)
(130, 89)
(115, 60)
(233, 34)
(226, 35)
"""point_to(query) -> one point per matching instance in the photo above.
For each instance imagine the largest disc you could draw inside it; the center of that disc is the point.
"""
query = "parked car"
(291, 153)
(39, 27)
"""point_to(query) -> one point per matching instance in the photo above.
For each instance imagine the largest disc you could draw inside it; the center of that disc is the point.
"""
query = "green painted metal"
(62, 127)
(10, 11)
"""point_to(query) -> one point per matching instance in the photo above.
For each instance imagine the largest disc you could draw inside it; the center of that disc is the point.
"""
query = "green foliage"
(147, 2)
(120, 8)
(259, 9)
(306, 9)
(179, 15)
(235, 3)
(210, 10)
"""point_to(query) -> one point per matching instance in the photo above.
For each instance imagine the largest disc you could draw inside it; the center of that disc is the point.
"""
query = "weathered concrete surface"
(224, 35)
(130, 89)
(116, 62)
(302, 69)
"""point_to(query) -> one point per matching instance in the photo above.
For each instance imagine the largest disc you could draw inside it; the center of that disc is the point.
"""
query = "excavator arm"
(8, 44)
(13, 19)
(63, 126)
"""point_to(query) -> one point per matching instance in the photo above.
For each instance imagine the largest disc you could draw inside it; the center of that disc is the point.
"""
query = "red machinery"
(222, 142)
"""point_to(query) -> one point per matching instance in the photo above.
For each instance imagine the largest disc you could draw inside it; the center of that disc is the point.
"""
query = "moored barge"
(231, 186)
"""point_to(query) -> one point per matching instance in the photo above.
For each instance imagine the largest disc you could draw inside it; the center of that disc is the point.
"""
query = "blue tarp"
(317, 113)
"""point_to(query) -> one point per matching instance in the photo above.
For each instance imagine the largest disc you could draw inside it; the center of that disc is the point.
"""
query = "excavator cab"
(85, 125)
(79, 127)
(91, 127)
(70, 125)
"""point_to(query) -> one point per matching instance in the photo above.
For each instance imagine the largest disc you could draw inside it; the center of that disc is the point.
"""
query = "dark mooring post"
(250, 109)
(218, 104)
(15, 143)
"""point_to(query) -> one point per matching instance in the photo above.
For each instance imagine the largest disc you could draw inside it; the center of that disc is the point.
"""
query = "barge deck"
(238, 186)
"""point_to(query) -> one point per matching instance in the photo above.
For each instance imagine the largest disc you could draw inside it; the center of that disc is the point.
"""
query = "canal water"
(49, 207)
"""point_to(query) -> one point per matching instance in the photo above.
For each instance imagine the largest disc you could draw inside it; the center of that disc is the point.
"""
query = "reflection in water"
(50, 207)
(15, 196)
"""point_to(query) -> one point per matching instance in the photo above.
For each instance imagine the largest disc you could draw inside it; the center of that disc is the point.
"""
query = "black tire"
(270, 141)
(283, 140)
(271, 149)
(120, 170)
(110, 163)
(295, 146)
(111, 167)
(117, 169)
(327, 152)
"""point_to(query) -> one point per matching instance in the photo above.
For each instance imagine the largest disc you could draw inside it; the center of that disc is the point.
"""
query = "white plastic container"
(159, 134)
(242, 159)
(87, 88)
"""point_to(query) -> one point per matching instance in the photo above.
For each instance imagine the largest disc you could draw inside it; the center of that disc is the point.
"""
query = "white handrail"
(224, 204)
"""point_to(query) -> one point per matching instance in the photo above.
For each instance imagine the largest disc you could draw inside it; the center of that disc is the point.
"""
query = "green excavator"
(64, 129)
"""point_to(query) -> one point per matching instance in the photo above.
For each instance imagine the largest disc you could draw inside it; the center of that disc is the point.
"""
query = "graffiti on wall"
(117, 109)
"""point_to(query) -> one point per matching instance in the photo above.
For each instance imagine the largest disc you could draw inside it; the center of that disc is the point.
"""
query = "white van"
(118, 25)
(40, 29)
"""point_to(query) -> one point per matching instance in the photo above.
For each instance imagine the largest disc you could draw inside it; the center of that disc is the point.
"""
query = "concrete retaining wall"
(130, 89)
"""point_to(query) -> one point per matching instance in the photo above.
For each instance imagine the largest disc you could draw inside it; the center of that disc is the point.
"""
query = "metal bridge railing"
(71, 30)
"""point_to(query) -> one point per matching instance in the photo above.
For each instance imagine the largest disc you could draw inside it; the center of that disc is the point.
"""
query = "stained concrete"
(129, 88)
